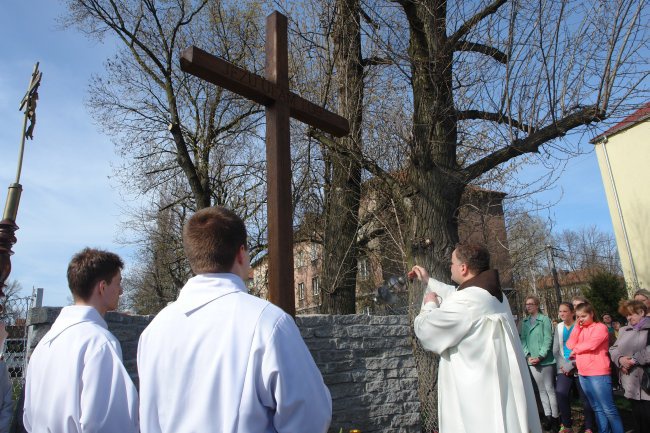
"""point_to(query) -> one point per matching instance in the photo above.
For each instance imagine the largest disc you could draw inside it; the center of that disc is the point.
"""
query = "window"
(313, 252)
(315, 286)
(300, 259)
(301, 291)
(363, 268)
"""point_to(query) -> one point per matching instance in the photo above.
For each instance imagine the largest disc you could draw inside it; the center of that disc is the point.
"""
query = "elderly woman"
(630, 353)
(643, 295)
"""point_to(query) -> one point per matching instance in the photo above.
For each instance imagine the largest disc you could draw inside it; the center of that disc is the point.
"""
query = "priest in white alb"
(483, 379)
(76, 382)
(221, 360)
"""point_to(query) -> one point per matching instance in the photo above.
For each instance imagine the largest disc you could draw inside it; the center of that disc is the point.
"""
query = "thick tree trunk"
(433, 172)
(339, 269)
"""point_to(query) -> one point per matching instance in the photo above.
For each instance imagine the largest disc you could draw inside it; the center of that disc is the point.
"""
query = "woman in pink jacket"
(589, 344)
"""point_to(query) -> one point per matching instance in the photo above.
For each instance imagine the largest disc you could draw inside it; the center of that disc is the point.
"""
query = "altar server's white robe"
(76, 381)
(221, 360)
(483, 380)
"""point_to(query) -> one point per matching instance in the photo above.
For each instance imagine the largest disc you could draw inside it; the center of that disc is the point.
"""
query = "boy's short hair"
(211, 239)
(90, 266)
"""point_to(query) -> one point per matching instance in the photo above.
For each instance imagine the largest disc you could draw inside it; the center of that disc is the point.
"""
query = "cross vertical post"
(278, 163)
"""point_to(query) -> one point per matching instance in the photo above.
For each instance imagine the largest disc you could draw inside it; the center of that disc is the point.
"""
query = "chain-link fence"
(14, 352)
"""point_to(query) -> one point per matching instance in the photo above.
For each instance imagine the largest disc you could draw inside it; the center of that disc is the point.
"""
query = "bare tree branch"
(476, 47)
(454, 40)
(493, 117)
(532, 143)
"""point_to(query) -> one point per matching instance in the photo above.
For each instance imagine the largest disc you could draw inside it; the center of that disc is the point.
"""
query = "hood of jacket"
(487, 280)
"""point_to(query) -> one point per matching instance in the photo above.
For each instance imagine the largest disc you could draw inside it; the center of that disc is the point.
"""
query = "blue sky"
(69, 201)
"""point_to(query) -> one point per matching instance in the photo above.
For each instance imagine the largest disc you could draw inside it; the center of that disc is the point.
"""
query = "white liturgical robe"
(483, 380)
(76, 381)
(221, 360)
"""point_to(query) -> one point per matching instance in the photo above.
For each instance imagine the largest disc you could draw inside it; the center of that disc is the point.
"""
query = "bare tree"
(168, 125)
(14, 307)
(160, 269)
(528, 235)
(185, 143)
(490, 82)
(589, 249)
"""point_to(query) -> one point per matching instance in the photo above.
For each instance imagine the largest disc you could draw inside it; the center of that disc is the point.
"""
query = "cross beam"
(272, 91)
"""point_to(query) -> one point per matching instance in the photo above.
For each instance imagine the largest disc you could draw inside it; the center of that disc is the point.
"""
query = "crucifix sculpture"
(273, 92)
(8, 225)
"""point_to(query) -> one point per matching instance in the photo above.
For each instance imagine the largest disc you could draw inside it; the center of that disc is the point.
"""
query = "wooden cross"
(281, 104)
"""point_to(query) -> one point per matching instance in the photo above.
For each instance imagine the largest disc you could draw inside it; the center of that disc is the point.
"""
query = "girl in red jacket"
(589, 344)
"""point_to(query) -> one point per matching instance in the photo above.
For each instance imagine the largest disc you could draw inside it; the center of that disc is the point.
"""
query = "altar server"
(221, 360)
(483, 379)
(75, 379)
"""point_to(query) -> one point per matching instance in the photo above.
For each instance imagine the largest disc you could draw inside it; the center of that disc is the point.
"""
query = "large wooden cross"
(281, 104)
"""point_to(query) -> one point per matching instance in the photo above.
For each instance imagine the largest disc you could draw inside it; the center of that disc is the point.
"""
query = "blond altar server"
(483, 379)
(221, 360)
(75, 379)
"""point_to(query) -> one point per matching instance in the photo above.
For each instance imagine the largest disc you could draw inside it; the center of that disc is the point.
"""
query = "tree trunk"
(339, 269)
(433, 172)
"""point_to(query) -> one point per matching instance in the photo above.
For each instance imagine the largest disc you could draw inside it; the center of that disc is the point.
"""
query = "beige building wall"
(624, 161)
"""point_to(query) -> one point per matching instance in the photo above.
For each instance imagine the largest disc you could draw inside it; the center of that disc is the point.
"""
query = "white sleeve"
(27, 413)
(290, 378)
(441, 328)
(109, 401)
(442, 289)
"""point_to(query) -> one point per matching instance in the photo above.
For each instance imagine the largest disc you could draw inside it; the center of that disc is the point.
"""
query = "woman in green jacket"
(537, 341)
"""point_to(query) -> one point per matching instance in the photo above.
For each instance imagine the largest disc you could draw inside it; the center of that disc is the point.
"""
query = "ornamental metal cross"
(8, 225)
(281, 104)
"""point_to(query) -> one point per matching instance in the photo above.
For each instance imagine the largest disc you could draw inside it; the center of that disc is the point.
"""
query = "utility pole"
(556, 283)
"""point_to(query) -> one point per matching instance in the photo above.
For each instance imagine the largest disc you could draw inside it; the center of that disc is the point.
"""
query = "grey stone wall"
(366, 362)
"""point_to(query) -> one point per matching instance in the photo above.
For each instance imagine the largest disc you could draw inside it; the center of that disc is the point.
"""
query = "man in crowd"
(483, 379)
(221, 360)
(607, 321)
(75, 379)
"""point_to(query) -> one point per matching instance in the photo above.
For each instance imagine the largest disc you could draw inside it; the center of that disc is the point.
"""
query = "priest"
(483, 379)
(221, 360)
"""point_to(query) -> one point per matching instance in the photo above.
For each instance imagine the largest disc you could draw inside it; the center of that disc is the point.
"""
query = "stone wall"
(366, 362)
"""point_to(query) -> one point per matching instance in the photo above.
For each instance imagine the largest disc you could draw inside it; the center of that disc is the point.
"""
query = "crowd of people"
(219, 359)
(484, 353)
(594, 357)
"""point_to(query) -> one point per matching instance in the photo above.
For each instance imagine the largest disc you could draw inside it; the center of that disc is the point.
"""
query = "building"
(481, 220)
(572, 283)
(623, 153)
